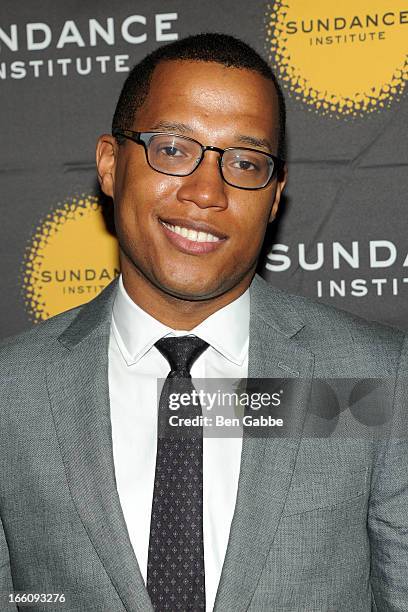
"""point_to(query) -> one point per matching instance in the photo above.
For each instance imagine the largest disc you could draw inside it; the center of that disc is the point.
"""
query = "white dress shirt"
(135, 364)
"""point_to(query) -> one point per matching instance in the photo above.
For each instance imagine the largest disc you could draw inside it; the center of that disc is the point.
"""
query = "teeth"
(191, 234)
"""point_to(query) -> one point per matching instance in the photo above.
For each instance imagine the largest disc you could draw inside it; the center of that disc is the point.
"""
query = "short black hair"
(208, 47)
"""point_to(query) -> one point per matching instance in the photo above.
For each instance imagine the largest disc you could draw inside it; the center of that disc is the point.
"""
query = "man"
(94, 503)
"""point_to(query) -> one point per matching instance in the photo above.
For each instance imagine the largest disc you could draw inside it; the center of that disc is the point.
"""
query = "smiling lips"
(191, 234)
(191, 240)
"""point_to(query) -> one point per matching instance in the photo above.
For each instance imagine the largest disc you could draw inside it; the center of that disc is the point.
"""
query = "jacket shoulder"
(70, 326)
(347, 344)
(333, 335)
(34, 343)
(338, 323)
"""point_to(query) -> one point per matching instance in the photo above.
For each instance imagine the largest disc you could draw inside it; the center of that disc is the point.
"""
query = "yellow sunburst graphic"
(342, 59)
(70, 258)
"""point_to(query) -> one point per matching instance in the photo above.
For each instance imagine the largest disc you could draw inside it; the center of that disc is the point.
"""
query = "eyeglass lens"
(180, 156)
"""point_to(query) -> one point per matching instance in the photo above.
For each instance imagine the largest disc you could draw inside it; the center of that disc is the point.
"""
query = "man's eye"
(244, 164)
(171, 151)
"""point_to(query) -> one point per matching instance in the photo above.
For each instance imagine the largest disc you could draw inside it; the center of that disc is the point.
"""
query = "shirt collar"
(136, 331)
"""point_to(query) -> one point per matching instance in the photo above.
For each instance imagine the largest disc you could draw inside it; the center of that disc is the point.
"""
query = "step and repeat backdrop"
(341, 237)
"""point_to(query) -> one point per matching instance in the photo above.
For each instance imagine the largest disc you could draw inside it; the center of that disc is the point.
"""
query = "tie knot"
(181, 352)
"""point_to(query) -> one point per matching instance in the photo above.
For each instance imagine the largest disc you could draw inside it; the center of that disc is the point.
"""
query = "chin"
(187, 289)
(190, 293)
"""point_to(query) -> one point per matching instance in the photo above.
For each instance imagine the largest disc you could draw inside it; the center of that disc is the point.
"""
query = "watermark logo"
(278, 407)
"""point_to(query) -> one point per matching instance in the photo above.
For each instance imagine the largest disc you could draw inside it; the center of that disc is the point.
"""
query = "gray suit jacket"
(319, 524)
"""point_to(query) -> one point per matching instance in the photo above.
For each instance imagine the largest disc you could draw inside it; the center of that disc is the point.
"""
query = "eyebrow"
(256, 142)
(183, 128)
(172, 125)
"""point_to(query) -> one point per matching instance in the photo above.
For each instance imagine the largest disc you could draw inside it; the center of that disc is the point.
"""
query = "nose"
(205, 186)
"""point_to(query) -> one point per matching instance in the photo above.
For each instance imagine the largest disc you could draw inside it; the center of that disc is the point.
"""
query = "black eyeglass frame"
(143, 138)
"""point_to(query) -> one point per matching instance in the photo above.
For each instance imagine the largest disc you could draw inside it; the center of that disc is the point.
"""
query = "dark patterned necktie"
(175, 567)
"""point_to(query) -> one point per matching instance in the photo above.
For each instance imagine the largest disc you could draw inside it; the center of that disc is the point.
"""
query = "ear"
(280, 185)
(106, 158)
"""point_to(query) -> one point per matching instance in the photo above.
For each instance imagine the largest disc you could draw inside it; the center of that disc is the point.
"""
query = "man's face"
(218, 106)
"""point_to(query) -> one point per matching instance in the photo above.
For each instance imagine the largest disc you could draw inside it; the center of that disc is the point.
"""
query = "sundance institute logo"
(341, 59)
(71, 257)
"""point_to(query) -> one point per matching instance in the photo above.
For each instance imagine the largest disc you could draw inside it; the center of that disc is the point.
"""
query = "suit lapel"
(267, 464)
(79, 394)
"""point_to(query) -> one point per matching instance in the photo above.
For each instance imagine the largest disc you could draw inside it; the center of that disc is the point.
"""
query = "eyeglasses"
(180, 156)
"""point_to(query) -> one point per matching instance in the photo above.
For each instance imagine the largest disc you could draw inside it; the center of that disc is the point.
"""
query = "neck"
(175, 312)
